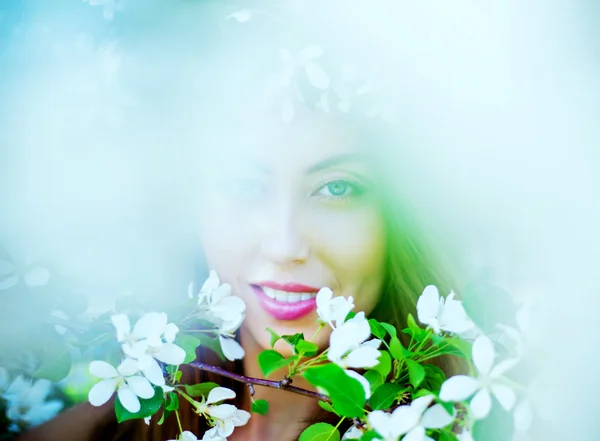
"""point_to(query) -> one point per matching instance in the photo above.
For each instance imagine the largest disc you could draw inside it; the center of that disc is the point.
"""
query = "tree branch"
(282, 384)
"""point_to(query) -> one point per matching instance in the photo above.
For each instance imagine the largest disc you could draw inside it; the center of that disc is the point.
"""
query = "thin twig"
(282, 384)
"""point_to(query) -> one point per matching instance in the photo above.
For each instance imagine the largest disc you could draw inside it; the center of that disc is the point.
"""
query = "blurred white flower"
(461, 387)
(186, 436)
(26, 401)
(410, 420)
(442, 315)
(333, 309)
(465, 436)
(353, 433)
(347, 345)
(124, 380)
(223, 417)
(10, 274)
(242, 16)
(232, 350)
(223, 308)
(145, 343)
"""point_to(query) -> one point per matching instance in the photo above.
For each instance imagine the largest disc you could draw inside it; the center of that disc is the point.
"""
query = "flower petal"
(241, 418)
(232, 350)
(154, 373)
(140, 386)
(436, 417)
(363, 357)
(421, 403)
(428, 304)
(38, 276)
(483, 354)
(122, 325)
(523, 416)
(481, 404)
(458, 388)
(101, 392)
(128, 399)
(316, 75)
(128, 367)
(503, 367)
(222, 411)
(170, 353)
(505, 395)
(404, 419)
(416, 434)
(153, 323)
(381, 422)
(171, 332)
(102, 369)
(219, 394)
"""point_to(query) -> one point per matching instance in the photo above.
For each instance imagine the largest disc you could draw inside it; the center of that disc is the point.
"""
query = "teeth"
(287, 297)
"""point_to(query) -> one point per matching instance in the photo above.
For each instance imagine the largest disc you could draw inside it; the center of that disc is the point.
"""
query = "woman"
(286, 209)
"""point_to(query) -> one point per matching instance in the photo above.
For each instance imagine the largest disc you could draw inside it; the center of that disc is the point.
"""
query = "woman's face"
(286, 212)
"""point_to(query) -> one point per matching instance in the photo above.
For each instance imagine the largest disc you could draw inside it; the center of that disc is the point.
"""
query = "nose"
(283, 242)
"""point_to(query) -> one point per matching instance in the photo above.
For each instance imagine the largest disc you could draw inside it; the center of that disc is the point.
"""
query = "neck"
(288, 411)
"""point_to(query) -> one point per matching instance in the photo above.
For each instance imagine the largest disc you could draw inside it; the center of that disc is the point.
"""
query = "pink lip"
(285, 310)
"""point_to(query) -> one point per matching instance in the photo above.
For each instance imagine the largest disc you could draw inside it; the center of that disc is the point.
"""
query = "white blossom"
(347, 345)
(461, 387)
(223, 417)
(333, 309)
(353, 433)
(124, 380)
(186, 436)
(33, 276)
(442, 314)
(151, 340)
(242, 16)
(222, 308)
(26, 401)
(465, 435)
(362, 380)
(410, 420)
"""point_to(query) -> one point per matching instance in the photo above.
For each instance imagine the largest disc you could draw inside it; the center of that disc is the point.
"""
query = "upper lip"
(288, 287)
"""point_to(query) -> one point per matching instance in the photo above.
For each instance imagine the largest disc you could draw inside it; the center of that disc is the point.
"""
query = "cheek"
(352, 245)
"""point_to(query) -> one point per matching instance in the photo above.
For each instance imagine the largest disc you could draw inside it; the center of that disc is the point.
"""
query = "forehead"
(272, 144)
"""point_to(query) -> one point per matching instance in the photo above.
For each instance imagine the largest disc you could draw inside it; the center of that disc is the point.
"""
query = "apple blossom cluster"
(26, 401)
(148, 343)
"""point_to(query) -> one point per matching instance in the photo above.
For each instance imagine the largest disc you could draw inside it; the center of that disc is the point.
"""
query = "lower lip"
(285, 310)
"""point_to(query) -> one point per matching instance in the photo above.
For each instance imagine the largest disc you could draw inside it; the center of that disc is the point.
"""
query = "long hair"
(411, 263)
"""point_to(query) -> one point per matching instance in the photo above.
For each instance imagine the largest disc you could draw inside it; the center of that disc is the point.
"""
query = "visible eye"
(245, 188)
(340, 190)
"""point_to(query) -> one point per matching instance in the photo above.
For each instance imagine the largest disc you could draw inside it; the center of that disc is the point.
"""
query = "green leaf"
(270, 360)
(488, 305)
(320, 432)
(307, 348)
(188, 343)
(416, 372)
(327, 406)
(56, 358)
(396, 348)
(369, 436)
(172, 402)
(260, 406)
(385, 396)
(164, 416)
(377, 329)
(374, 378)
(211, 343)
(414, 330)
(200, 389)
(434, 377)
(389, 328)
(148, 407)
(275, 337)
(346, 393)
(293, 339)
(384, 365)
(453, 346)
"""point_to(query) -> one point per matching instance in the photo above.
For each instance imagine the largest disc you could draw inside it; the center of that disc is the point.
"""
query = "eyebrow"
(333, 161)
